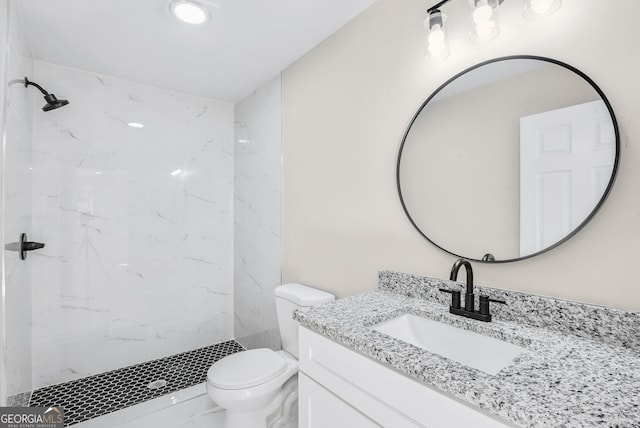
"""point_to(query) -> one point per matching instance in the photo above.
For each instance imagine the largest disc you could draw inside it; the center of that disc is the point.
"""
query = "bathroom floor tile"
(97, 395)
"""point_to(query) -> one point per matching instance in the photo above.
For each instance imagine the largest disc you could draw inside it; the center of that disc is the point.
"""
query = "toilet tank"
(290, 297)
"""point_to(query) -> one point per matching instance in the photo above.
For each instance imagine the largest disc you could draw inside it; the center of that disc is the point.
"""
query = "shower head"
(52, 101)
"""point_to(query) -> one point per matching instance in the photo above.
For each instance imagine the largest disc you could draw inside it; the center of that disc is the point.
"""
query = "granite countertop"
(560, 380)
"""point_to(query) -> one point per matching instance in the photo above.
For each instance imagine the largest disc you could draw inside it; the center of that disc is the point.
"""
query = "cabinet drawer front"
(352, 376)
(320, 408)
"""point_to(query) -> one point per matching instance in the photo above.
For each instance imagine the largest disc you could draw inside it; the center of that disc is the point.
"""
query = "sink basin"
(466, 347)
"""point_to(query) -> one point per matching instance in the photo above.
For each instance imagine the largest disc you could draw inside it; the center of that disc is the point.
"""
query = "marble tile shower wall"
(138, 225)
(257, 215)
(17, 203)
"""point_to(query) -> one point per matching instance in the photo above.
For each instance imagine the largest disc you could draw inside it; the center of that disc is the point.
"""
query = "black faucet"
(469, 298)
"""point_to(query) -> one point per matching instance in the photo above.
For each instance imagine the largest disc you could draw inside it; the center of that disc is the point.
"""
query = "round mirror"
(508, 159)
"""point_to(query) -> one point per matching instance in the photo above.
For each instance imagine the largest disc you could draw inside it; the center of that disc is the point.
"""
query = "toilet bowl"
(256, 392)
(250, 385)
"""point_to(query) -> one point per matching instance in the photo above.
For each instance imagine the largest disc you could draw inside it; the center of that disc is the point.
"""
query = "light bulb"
(482, 14)
(541, 6)
(437, 44)
(484, 24)
(538, 8)
(436, 35)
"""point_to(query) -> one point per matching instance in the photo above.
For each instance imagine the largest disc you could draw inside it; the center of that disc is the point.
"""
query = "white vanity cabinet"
(339, 387)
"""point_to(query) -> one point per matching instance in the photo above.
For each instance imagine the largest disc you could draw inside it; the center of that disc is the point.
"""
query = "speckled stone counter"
(560, 380)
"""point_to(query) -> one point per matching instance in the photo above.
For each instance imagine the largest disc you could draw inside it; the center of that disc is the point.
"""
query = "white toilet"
(253, 385)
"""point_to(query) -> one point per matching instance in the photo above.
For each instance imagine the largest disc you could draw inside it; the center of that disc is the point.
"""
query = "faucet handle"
(484, 304)
(455, 297)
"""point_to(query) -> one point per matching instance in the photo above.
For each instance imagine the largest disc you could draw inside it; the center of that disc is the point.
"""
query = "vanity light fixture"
(437, 46)
(537, 8)
(484, 20)
(191, 12)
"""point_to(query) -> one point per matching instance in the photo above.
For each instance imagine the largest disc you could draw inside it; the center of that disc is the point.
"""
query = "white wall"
(138, 224)
(16, 212)
(346, 105)
(257, 213)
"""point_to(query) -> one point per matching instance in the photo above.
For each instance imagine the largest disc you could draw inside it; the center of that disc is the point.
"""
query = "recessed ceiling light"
(190, 12)
(135, 125)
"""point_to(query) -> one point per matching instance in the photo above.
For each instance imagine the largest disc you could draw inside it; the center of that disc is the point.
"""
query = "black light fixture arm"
(28, 82)
(441, 3)
(437, 6)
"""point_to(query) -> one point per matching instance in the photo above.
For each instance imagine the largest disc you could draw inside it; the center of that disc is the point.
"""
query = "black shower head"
(52, 101)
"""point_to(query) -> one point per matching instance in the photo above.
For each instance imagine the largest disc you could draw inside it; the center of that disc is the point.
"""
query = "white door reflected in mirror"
(566, 161)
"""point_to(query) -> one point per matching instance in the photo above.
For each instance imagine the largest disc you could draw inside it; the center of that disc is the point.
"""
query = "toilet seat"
(246, 369)
(250, 399)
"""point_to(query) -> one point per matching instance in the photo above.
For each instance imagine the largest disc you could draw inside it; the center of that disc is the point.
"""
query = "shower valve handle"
(30, 246)
(22, 246)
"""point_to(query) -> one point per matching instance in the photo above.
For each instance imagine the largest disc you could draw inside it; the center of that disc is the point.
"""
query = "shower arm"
(27, 82)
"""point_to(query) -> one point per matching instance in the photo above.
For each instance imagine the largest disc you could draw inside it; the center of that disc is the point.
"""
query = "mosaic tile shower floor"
(97, 395)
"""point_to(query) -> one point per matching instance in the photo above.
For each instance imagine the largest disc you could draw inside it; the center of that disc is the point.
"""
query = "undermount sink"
(466, 347)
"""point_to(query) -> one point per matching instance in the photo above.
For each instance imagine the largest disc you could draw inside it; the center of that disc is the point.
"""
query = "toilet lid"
(246, 369)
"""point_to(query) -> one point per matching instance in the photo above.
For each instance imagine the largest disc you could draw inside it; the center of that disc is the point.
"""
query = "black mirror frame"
(614, 172)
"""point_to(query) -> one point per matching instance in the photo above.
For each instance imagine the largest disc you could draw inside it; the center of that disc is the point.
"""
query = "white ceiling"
(245, 43)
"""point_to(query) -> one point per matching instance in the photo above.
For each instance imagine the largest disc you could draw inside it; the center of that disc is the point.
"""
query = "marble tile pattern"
(257, 215)
(609, 325)
(16, 206)
(560, 380)
(138, 224)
